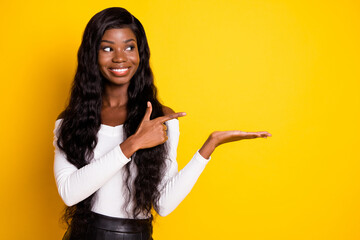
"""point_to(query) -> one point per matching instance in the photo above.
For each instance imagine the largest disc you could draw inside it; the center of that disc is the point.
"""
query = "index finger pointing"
(170, 116)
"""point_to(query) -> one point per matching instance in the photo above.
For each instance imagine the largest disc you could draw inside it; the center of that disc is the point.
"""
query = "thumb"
(148, 112)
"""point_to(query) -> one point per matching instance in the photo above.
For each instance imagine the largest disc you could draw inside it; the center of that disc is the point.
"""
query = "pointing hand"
(151, 133)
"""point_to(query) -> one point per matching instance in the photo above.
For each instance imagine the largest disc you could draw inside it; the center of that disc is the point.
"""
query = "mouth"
(119, 71)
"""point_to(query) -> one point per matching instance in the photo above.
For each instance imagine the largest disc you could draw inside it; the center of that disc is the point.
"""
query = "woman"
(115, 143)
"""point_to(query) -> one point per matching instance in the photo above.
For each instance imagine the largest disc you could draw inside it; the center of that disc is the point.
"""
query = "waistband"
(121, 224)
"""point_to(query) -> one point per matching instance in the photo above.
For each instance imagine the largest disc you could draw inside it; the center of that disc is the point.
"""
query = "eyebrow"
(126, 41)
(129, 40)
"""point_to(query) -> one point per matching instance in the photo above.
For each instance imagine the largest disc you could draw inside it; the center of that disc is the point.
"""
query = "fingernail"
(148, 104)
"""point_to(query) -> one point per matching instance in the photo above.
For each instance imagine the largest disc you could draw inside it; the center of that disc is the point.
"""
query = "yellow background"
(288, 67)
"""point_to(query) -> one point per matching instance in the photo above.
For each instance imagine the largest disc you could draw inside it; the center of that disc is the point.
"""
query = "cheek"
(103, 59)
(135, 59)
(101, 69)
(102, 72)
(100, 61)
(101, 66)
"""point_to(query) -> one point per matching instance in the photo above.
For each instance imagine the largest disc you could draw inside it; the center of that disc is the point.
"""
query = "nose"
(119, 56)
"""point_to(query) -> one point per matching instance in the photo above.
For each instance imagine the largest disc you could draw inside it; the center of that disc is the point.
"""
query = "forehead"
(118, 35)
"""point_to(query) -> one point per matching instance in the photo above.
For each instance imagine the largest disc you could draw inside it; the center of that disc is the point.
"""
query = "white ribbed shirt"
(104, 174)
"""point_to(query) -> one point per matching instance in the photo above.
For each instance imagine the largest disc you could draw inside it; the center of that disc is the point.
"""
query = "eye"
(130, 48)
(107, 49)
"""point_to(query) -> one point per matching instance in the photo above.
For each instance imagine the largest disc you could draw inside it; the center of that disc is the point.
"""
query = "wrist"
(134, 142)
(129, 146)
(208, 148)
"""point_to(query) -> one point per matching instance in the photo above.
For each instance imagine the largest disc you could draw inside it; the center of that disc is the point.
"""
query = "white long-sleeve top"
(104, 174)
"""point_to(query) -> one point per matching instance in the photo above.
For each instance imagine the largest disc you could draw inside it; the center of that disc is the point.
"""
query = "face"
(118, 57)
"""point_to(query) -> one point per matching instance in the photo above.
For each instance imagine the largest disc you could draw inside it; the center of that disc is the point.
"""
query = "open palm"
(222, 137)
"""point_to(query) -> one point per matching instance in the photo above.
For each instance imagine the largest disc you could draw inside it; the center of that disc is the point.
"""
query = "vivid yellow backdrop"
(288, 67)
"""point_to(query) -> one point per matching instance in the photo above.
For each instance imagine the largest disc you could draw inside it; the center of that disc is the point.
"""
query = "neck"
(115, 96)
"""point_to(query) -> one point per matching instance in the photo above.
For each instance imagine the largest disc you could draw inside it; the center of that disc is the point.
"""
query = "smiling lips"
(119, 71)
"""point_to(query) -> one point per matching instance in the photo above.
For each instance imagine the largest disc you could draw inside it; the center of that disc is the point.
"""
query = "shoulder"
(167, 110)
(58, 122)
(61, 115)
(173, 124)
(173, 134)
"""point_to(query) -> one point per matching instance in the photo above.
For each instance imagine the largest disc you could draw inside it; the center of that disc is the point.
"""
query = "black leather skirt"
(110, 228)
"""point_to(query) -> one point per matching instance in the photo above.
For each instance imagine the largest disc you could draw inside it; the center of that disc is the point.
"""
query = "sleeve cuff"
(200, 158)
(121, 155)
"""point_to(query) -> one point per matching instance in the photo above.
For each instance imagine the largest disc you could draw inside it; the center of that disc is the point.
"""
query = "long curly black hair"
(82, 117)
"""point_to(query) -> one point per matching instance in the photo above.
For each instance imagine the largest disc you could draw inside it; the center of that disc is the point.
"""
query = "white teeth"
(119, 69)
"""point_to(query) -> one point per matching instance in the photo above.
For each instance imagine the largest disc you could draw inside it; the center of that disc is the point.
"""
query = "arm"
(180, 185)
(177, 185)
(75, 185)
